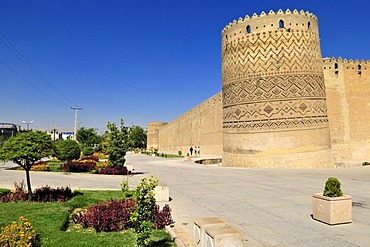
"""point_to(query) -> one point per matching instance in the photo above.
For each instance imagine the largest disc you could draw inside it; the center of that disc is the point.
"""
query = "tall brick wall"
(201, 126)
(348, 96)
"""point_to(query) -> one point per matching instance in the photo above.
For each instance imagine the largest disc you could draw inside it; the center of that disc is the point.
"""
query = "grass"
(165, 155)
(51, 220)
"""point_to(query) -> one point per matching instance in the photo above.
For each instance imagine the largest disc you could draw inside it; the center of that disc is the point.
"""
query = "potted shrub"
(332, 206)
(187, 157)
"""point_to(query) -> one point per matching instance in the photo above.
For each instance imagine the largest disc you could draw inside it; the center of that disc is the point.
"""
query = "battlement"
(346, 64)
(273, 20)
(344, 60)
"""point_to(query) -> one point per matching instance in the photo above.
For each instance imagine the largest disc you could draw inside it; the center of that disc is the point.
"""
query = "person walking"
(199, 150)
(191, 150)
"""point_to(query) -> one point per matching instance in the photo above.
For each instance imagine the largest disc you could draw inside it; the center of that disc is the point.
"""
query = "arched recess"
(281, 24)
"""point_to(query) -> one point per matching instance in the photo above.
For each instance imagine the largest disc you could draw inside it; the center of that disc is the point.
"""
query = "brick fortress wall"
(273, 112)
(348, 91)
(201, 126)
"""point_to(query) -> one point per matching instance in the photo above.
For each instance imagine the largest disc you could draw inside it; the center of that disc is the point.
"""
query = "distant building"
(8, 130)
(67, 135)
(54, 134)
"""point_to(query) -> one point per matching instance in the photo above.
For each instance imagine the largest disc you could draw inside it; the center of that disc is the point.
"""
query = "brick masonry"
(281, 104)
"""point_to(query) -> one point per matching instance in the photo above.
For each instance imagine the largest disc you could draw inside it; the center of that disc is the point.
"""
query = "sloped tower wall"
(274, 103)
(152, 137)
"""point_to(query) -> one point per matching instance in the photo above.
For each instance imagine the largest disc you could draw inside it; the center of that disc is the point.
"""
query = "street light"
(28, 124)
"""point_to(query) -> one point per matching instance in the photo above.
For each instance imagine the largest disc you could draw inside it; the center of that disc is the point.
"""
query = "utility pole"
(75, 128)
(28, 124)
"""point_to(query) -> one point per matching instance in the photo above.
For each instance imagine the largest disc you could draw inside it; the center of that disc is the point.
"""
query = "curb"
(174, 237)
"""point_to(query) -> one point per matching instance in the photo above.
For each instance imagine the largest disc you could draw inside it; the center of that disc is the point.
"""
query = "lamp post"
(28, 124)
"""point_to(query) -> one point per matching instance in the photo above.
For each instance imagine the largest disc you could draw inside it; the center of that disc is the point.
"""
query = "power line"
(29, 65)
(29, 83)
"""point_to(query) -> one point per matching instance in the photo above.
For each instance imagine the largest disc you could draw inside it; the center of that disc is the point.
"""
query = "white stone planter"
(332, 210)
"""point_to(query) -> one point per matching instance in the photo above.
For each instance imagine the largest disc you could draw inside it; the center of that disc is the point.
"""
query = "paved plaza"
(272, 207)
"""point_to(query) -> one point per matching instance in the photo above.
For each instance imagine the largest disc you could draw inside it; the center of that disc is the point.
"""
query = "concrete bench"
(199, 229)
(223, 236)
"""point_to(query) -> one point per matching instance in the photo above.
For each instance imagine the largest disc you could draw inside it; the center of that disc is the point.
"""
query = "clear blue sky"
(140, 60)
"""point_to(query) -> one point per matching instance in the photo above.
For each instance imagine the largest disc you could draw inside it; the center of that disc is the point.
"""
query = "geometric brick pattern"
(273, 81)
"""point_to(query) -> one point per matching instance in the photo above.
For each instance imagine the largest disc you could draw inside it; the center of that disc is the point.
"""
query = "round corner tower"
(152, 142)
(274, 103)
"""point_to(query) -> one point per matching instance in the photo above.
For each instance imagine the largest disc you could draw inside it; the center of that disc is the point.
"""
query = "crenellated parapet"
(337, 64)
(198, 110)
(292, 21)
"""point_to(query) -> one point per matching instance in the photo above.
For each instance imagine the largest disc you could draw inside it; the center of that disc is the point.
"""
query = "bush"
(19, 194)
(79, 166)
(43, 194)
(143, 214)
(103, 164)
(47, 194)
(113, 170)
(179, 152)
(332, 188)
(19, 233)
(162, 218)
(112, 216)
(91, 158)
(86, 151)
(41, 166)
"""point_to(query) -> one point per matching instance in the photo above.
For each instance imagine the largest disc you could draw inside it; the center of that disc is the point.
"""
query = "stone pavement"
(271, 206)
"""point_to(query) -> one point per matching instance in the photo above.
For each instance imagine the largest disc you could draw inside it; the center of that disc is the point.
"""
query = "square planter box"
(162, 193)
(332, 210)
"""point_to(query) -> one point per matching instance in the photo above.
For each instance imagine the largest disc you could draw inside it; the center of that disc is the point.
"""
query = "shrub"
(48, 194)
(179, 152)
(87, 151)
(19, 233)
(79, 166)
(143, 214)
(112, 216)
(125, 188)
(91, 158)
(332, 188)
(162, 218)
(102, 164)
(41, 166)
(43, 194)
(113, 170)
(19, 193)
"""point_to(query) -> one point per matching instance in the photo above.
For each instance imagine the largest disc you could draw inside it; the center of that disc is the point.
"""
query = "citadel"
(282, 105)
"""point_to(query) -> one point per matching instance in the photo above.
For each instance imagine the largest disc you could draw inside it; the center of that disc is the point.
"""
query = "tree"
(25, 149)
(88, 137)
(117, 143)
(68, 150)
(137, 137)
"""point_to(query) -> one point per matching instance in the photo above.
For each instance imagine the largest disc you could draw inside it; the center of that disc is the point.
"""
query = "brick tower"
(274, 103)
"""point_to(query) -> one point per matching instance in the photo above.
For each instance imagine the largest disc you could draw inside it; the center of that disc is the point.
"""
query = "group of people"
(196, 151)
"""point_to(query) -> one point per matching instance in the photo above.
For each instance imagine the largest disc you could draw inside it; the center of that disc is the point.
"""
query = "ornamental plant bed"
(332, 207)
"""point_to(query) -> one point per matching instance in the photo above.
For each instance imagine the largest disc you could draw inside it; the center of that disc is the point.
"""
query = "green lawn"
(52, 222)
